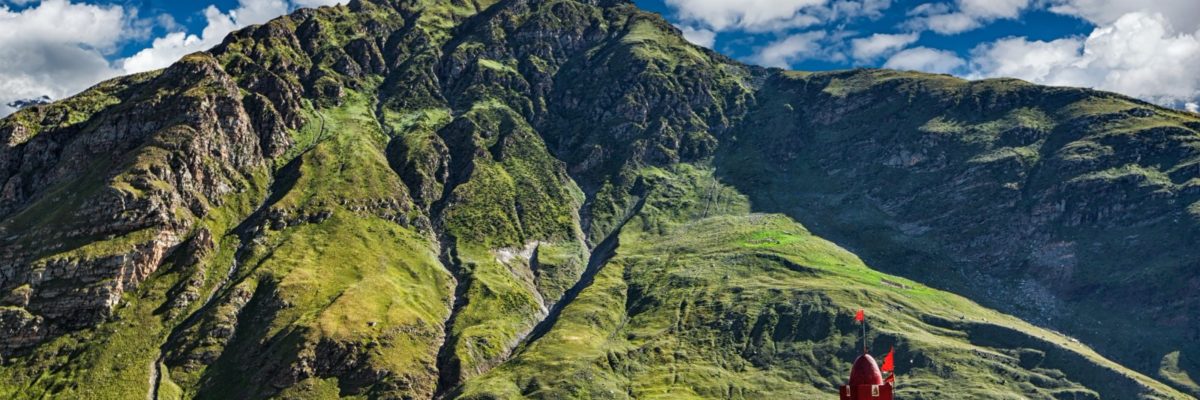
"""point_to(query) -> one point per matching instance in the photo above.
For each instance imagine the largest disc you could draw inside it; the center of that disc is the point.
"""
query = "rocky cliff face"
(95, 199)
(419, 198)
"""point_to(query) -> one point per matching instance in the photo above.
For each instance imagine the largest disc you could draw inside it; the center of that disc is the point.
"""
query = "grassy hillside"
(566, 199)
(714, 302)
(1072, 201)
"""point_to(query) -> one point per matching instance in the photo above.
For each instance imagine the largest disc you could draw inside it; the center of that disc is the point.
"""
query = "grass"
(351, 279)
(749, 305)
(359, 281)
(1143, 176)
(573, 348)
(496, 65)
(1027, 155)
(348, 164)
(121, 350)
(425, 120)
(517, 196)
(557, 267)
(1173, 372)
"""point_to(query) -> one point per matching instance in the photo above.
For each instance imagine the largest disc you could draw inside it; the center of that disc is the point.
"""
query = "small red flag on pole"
(862, 319)
(889, 364)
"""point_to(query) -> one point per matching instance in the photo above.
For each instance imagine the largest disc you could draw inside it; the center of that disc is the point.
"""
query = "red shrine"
(866, 382)
(866, 379)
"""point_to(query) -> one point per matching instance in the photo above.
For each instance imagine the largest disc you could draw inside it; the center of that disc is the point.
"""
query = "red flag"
(889, 364)
(890, 379)
(860, 316)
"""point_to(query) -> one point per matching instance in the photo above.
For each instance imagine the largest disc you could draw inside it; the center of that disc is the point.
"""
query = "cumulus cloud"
(879, 45)
(1035, 61)
(1183, 15)
(964, 15)
(317, 3)
(1139, 54)
(792, 49)
(1146, 49)
(772, 15)
(749, 14)
(845, 9)
(57, 48)
(927, 60)
(699, 36)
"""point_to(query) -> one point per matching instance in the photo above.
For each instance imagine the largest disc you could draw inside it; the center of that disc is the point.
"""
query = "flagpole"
(864, 335)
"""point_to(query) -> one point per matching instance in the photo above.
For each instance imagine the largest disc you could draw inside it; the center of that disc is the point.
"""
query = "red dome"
(865, 372)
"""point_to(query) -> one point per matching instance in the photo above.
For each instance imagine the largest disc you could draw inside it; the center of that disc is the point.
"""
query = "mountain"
(565, 199)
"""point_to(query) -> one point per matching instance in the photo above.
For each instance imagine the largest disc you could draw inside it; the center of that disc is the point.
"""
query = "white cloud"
(928, 9)
(95, 26)
(992, 8)
(880, 45)
(965, 15)
(746, 14)
(251, 12)
(792, 49)
(1035, 61)
(1192, 107)
(167, 49)
(57, 48)
(699, 36)
(1146, 49)
(772, 15)
(927, 60)
(317, 3)
(170, 48)
(1184, 15)
(1138, 55)
(852, 9)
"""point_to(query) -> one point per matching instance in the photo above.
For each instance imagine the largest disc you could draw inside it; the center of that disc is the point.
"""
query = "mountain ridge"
(465, 161)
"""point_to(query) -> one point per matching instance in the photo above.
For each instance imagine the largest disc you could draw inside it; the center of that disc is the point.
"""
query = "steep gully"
(449, 373)
(597, 259)
(244, 231)
(599, 255)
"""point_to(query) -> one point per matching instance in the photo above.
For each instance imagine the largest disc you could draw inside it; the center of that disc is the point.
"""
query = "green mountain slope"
(711, 301)
(1070, 208)
(564, 199)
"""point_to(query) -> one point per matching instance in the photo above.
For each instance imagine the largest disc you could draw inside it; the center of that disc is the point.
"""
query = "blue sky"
(1147, 49)
(1035, 24)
